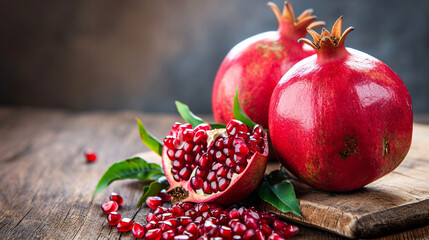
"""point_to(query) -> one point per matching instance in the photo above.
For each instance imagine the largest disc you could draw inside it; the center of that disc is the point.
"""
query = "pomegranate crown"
(328, 40)
(287, 21)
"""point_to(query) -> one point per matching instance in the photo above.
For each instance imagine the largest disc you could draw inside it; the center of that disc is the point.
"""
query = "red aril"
(224, 165)
(154, 202)
(117, 198)
(125, 225)
(110, 206)
(341, 118)
(137, 231)
(113, 218)
(214, 222)
(91, 156)
(255, 65)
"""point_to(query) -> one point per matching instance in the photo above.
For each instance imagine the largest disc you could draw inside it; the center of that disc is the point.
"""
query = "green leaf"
(239, 113)
(153, 189)
(187, 115)
(133, 168)
(149, 140)
(279, 192)
(193, 119)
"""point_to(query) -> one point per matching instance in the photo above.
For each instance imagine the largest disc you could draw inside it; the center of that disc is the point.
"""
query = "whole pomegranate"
(219, 166)
(340, 119)
(255, 65)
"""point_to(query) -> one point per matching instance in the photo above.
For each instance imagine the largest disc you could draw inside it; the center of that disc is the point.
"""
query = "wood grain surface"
(46, 183)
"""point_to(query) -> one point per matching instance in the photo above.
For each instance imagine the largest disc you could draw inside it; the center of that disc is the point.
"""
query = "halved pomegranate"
(219, 166)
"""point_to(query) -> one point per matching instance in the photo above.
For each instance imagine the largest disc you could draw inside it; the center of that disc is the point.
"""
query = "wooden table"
(46, 183)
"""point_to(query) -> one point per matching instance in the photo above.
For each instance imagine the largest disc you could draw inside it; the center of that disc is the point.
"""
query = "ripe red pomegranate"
(211, 221)
(341, 118)
(256, 64)
(220, 166)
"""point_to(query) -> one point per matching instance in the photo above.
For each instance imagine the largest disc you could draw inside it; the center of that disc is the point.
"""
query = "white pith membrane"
(212, 136)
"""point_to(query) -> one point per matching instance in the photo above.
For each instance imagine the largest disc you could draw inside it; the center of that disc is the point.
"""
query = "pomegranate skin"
(255, 66)
(340, 119)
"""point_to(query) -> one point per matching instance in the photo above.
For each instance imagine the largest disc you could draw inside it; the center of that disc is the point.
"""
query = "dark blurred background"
(143, 55)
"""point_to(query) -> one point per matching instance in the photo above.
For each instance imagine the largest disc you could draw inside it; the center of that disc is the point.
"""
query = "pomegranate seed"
(110, 206)
(176, 177)
(153, 234)
(91, 156)
(230, 173)
(175, 126)
(168, 142)
(290, 231)
(220, 157)
(207, 188)
(233, 214)
(151, 217)
(203, 126)
(240, 168)
(228, 152)
(166, 216)
(114, 218)
(223, 184)
(251, 223)
(184, 221)
(177, 164)
(249, 234)
(259, 235)
(117, 198)
(165, 197)
(201, 173)
(185, 173)
(277, 224)
(225, 232)
(266, 229)
(240, 159)
(188, 135)
(239, 229)
(177, 211)
(216, 166)
(170, 154)
(180, 230)
(154, 202)
(221, 172)
(205, 161)
(165, 226)
(258, 132)
(275, 237)
(125, 225)
(219, 143)
(214, 187)
(150, 225)
(197, 148)
(200, 136)
(187, 206)
(137, 231)
(180, 155)
(211, 176)
(241, 149)
(192, 228)
(168, 235)
(187, 147)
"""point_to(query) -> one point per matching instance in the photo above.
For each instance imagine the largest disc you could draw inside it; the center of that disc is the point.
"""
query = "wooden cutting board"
(398, 201)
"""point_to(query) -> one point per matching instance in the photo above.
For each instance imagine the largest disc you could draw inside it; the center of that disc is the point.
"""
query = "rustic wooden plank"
(46, 184)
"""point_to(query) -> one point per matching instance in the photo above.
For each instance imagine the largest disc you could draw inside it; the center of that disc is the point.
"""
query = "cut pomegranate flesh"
(204, 162)
(211, 221)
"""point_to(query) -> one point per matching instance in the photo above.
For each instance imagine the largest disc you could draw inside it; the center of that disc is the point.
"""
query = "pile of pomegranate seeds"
(203, 221)
(216, 154)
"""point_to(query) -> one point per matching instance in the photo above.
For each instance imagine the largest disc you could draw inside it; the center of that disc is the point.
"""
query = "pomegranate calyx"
(289, 24)
(328, 40)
